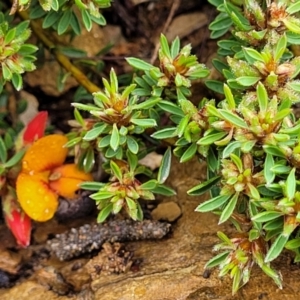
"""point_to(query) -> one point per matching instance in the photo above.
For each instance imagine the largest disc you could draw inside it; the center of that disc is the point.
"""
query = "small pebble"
(167, 211)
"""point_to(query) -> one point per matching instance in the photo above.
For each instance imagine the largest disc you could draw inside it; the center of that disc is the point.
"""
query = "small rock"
(4, 279)
(50, 278)
(74, 209)
(151, 160)
(74, 273)
(9, 261)
(168, 211)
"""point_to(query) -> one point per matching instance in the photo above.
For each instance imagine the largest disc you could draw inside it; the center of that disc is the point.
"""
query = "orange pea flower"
(16, 220)
(44, 177)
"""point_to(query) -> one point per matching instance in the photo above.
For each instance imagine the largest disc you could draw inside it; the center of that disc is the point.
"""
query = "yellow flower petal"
(45, 154)
(35, 197)
(71, 171)
(66, 187)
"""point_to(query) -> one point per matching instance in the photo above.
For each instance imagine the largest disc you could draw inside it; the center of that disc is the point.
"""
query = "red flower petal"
(20, 225)
(35, 128)
(17, 221)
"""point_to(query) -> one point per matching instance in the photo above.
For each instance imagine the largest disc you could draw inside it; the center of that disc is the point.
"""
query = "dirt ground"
(167, 269)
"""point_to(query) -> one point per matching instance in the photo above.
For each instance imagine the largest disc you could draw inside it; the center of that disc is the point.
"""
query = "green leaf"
(104, 213)
(73, 142)
(115, 138)
(273, 150)
(17, 81)
(146, 104)
(163, 190)
(274, 224)
(91, 185)
(262, 97)
(164, 169)
(280, 48)
(291, 24)
(102, 195)
(75, 24)
(55, 5)
(266, 216)
(228, 210)
(175, 47)
(213, 203)
(165, 133)
(170, 107)
(86, 18)
(86, 107)
(78, 117)
(293, 38)
(116, 170)
(104, 142)
(276, 247)
(36, 12)
(73, 52)
(255, 55)
(233, 118)
(204, 187)
(216, 3)
(229, 97)
(293, 8)
(290, 185)
(189, 153)
(211, 138)
(64, 22)
(15, 159)
(165, 46)
(51, 18)
(217, 260)
(94, 133)
(139, 64)
(269, 164)
(182, 125)
(215, 85)
(248, 146)
(247, 80)
(282, 114)
(145, 123)
(220, 23)
(9, 36)
(100, 20)
(3, 151)
(6, 72)
(89, 160)
(230, 148)
(149, 185)
(237, 161)
(293, 244)
(281, 169)
(132, 160)
(132, 145)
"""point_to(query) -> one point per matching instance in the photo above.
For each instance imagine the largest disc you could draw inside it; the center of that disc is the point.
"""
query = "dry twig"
(173, 9)
(90, 237)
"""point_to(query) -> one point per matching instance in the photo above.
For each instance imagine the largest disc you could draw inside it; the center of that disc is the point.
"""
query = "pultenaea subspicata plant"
(256, 170)
(250, 140)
